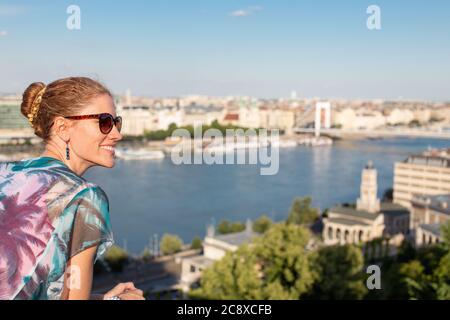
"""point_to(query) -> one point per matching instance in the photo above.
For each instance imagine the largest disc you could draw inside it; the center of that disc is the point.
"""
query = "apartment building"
(424, 174)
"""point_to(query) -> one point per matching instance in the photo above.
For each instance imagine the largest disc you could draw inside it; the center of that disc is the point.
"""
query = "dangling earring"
(67, 151)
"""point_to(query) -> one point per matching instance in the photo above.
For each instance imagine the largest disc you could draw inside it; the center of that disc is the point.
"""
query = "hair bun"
(29, 96)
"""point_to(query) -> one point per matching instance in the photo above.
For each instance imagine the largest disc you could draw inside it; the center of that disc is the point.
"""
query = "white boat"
(231, 145)
(316, 141)
(284, 143)
(139, 154)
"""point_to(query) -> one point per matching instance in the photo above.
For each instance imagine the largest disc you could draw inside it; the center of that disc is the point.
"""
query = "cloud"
(240, 13)
(3, 33)
(245, 12)
(11, 10)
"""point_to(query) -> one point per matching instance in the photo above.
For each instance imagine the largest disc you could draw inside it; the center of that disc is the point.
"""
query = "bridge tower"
(323, 116)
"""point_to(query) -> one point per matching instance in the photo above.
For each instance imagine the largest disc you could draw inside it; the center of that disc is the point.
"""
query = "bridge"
(379, 133)
(319, 116)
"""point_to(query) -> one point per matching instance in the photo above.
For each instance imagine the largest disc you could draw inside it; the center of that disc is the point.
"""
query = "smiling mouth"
(108, 148)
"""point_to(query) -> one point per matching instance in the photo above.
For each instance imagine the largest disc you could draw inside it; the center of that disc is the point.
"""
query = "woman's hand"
(125, 291)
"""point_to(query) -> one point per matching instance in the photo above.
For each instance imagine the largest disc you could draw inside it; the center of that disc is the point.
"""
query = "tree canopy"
(301, 212)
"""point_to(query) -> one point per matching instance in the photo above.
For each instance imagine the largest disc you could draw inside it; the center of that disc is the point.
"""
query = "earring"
(67, 151)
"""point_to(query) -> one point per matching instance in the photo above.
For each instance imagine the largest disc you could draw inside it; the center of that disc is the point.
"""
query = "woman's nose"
(115, 134)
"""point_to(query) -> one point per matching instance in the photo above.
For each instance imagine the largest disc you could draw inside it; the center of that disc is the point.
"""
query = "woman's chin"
(110, 163)
(107, 162)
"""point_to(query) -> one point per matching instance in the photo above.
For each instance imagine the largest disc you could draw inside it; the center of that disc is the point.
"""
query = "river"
(157, 196)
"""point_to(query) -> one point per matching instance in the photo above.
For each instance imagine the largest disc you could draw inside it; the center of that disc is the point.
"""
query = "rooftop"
(352, 212)
(439, 203)
(393, 209)
(238, 238)
(434, 228)
(347, 222)
(231, 117)
(200, 260)
(432, 157)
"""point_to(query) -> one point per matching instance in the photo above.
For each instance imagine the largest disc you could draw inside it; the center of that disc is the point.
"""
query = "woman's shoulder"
(46, 168)
(49, 179)
(38, 165)
(91, 192)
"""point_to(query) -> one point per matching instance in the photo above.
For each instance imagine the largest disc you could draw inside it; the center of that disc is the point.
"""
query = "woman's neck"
(73, 164)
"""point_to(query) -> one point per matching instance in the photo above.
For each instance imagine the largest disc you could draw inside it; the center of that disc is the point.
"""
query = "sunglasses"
(105, 121)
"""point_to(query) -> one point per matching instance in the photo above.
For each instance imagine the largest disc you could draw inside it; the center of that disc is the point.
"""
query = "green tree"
(285, 263)
(445, 232)
(430, 257)
(146, 254)
(413, 280)
(442, 279)
(196, 243)
(170, 244)
(442, 272)
(172, 127)
(231, 278)
(301, 212)
(274, 266)
(262, 224)
(226, 227)
(116, 258)
(388, 195)
(406, 252)
(339, 273)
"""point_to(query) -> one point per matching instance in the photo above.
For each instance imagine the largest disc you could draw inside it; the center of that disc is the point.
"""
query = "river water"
(156, 196)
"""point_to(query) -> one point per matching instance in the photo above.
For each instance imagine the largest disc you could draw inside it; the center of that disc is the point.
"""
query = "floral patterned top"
(48, 214)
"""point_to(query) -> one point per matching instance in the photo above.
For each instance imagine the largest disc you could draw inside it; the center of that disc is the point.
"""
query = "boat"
(139, 154)
(284, 143)
(315, 141)
(230, 145)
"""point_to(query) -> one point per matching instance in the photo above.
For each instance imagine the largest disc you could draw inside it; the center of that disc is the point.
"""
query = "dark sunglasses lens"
(119, 123)
(105, 123)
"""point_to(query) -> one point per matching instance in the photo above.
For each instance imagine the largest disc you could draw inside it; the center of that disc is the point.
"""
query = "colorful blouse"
(48, 214)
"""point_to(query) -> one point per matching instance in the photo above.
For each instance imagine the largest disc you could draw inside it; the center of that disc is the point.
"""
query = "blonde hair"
(64, 97)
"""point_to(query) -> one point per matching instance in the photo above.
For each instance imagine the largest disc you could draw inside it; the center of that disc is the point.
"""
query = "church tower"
(368, 200)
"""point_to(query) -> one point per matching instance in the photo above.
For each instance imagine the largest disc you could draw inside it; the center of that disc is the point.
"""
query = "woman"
(54, 224)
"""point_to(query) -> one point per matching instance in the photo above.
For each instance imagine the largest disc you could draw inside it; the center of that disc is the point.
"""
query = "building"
(214, 248)
(368, 219)
(351, 119)
(428, 214)
(195, 115)
(277, 118)
(424, 174)
(368, 200)
(399, 116)
(231, 118)
(11, 116)
(137, 119)
(13, 125)
(427, 234)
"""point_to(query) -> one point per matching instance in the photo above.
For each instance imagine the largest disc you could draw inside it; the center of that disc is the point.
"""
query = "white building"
(370, 219)
(214, 248)
(168, 115)
(137, 119)
(351, 119)
(428, 214)
(427, 173)
(400, 116)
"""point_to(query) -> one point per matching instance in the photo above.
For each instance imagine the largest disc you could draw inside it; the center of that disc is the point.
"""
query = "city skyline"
(264, 49)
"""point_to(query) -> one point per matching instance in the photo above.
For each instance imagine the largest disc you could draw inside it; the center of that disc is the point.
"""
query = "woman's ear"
(61, 127)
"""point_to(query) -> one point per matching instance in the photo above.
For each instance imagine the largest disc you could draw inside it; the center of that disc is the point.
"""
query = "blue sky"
(229, 47)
